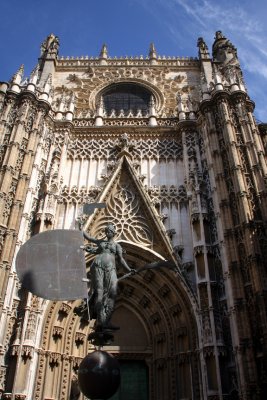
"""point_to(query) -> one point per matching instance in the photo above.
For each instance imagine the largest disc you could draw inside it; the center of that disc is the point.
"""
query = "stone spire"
(71, 106)
(46, 88)
(34, 74)
(152, 54)
(152, 51)
(49, 54)
(33, 79)
(62, 106)
(223, 50)
(17, 77)
(103, 55)
(48, 84)
(206, 67)
(50, 47)
(152, 112)
(100, 113)
(103, 51)
(203, 51)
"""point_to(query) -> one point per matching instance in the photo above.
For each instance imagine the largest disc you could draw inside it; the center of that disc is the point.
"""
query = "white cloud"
(252, 62)
(187, 19)
(209, 16)
(232, 17)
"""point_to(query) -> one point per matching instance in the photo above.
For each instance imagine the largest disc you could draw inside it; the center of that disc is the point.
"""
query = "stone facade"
(183, 179)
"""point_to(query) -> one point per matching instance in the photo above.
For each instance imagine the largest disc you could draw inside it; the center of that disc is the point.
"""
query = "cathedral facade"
(172, 148)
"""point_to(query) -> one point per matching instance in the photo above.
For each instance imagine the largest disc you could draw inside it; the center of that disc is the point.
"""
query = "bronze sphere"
(99, 375)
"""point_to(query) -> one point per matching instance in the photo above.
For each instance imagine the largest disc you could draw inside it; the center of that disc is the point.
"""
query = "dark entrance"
(134, 381)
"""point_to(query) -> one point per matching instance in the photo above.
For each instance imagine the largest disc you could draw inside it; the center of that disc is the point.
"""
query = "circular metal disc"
(52, 265)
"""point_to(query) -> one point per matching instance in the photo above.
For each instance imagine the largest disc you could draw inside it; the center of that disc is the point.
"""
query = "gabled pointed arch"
(130, 209)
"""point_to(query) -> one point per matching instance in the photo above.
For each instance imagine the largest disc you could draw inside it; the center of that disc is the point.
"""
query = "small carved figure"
(104, 279)
(50, 45)
(152, 51)
(104, 51)
(203, 48)
(124, 141)
(219, 35)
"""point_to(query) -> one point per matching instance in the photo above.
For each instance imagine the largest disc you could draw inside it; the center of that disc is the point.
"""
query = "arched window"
(126, 98)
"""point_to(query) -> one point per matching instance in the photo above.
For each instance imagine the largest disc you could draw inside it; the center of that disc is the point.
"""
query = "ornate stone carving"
(167, 194)
(176, 309)
(203, 48)
(12, 116)
(171, 232)
(80, 196)
(57, 332)
(149, 276)
(145, 302)
(7, 396)
(124, 209)
(64, 309)
(80, 337)
(50, 46)
(160, 337)
(10, 198)
(164, 291)
(155, 318)
(227, 147)
(128, 290)
(108, 148)
(54, 358)
(27, 351)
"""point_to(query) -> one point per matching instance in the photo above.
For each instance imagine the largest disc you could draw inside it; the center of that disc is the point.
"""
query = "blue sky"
(128, 27)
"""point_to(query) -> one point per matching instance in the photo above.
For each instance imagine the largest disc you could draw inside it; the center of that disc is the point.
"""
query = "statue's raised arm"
(90, 239)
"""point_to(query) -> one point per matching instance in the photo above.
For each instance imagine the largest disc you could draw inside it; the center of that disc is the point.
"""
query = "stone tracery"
(106, 148)
(124, 211)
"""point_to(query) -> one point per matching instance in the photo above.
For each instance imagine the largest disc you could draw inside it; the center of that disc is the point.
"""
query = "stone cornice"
(226, 94)
(116, 132)
(85, 62)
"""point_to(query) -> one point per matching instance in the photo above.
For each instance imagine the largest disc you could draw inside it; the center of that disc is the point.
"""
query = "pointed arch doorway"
(134, 381)
(134, 353)
(156, 345)
(157, 341)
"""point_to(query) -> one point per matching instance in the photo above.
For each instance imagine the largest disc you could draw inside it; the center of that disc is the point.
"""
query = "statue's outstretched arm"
(89, 238)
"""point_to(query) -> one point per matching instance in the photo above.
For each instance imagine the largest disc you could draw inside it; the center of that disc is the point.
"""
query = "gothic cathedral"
(172, 148)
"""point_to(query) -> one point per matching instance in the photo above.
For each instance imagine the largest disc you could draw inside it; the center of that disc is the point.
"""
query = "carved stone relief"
(108, 148)
(167, 194)
(164, 84)
(124, 209)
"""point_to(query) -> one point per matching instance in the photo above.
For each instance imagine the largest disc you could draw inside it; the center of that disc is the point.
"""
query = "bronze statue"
(104, 279)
